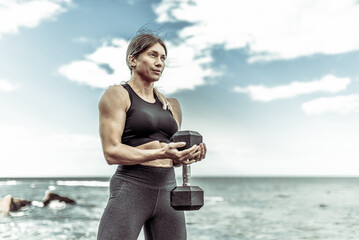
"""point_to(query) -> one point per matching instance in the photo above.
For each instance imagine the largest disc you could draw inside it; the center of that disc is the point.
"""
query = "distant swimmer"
(50, 196)
(9, 204)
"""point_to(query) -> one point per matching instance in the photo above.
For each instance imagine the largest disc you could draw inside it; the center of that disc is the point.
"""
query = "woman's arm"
(113, 106)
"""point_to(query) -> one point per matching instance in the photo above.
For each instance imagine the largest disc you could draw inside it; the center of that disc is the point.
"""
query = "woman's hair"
(139, 44)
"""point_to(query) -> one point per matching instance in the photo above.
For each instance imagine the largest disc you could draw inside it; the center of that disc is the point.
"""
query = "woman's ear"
(132, 61)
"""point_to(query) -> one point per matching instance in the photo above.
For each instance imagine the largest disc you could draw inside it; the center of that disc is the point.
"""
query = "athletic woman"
(136, 124)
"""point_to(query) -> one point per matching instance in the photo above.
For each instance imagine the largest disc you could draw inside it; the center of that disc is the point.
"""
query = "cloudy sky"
(271, 85)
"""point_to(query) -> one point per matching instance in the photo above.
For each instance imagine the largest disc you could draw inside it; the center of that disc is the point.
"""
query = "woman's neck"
(142, 88)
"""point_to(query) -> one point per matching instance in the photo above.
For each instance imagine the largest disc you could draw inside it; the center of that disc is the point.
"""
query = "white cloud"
(183, 71)
(338, 104)
(26, 151)
(6, 86)
(328, 83)
(89, 71)
(277, 29)
(16, 13)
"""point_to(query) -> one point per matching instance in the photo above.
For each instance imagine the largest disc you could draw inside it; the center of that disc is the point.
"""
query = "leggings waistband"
(157, 177)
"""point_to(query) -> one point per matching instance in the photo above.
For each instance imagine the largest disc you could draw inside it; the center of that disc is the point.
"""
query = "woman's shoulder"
(116, 91)
(174, 102)
(115, 95)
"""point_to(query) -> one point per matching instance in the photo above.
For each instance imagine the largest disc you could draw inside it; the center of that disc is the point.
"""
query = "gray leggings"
(140, 196)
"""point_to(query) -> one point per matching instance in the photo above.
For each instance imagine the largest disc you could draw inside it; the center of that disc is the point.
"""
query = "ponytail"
(165, 104)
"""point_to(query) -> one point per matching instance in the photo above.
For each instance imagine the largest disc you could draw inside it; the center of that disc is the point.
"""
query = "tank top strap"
(129, 90)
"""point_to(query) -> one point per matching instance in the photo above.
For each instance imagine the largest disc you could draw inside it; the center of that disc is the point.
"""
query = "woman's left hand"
(199, 155)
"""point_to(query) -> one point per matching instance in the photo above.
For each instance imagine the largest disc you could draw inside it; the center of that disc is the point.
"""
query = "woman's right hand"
(186, 156)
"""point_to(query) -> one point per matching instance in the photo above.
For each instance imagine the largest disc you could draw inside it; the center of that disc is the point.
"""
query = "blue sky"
(271, 85)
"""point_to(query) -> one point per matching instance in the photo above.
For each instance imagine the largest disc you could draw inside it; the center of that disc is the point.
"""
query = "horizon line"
(200, 176)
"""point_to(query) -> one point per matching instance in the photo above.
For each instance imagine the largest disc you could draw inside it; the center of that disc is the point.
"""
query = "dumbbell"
(187, 197)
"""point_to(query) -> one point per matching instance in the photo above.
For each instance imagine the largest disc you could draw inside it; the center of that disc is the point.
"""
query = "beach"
(235, 208)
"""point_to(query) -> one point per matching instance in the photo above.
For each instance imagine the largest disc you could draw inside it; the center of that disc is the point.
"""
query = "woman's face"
(150, 63)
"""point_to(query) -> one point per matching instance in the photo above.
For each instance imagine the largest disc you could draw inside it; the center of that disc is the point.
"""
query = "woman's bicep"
(111, 128)
(112, 120)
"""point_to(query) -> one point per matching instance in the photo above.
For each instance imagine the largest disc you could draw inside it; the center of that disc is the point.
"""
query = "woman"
(136, 123)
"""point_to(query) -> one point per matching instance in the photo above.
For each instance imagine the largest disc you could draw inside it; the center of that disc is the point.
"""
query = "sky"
(272, 86)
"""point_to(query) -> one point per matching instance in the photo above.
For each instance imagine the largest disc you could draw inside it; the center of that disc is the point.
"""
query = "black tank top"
(147, 122)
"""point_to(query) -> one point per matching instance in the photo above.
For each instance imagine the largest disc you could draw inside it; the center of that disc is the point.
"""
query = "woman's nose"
(159, 62)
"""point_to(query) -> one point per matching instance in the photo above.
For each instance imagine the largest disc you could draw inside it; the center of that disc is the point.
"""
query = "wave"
(213, 199)
(9, 183)
(37, 204)
(83, 183)
(57, 205)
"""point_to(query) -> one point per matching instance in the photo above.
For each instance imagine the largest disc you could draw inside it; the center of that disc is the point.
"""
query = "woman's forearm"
(127, 155)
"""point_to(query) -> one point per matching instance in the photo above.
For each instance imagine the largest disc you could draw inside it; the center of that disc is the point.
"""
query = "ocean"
(235, 209)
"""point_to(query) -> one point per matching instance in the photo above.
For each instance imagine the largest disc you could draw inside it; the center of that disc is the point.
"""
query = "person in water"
(136, 124)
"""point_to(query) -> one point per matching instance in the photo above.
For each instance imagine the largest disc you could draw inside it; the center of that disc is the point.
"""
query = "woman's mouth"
(156, 71)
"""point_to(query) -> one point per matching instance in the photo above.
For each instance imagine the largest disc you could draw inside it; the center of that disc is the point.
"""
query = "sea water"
(235, 208)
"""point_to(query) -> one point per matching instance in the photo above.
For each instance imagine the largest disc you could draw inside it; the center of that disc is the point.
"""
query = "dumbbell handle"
(190, 138)
(186, 174)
